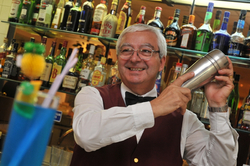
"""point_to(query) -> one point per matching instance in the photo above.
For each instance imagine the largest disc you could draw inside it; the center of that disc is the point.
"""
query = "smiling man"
(128, 124)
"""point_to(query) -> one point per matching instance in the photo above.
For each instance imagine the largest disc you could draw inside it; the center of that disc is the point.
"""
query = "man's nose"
(135, 56)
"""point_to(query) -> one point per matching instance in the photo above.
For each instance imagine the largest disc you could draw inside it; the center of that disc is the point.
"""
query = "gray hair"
(143, 27)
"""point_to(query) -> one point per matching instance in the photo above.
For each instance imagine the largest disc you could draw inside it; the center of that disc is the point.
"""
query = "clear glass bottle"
(86, 17)
(204, 35)
(124, 19)
(114, 76)
(73, 18)
(221, 37)
(98, 76)
(140, 17)
(45, 13)
(65, 14)
(58, 14)
(99, 14)
(109, 23)
(236, 42)
(216, 24)
(156, 22)
(188, 34)
(15, 10)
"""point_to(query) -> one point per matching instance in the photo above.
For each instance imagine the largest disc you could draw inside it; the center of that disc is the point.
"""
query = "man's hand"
(173, 98)
(217, 92)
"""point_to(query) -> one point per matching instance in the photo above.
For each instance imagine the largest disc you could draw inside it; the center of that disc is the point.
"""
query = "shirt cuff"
(143, 115)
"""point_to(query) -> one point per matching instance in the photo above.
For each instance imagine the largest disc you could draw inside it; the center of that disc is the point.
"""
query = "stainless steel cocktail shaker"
(205, 69)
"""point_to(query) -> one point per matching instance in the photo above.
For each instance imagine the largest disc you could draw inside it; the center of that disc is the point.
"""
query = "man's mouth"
(136, 69)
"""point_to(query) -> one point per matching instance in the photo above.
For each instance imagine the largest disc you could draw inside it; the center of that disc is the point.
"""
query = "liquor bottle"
(78, 65)
(58, 14)
(185, 20)
(230, 98)
(70, 80)
(188, 34)
(87, 69)
(99, 74)
(124, 19)
(237, 39)
(170, 20)
(170, 74)
(235, 102)
(65, 14)
(99, 14)
(204, 35)
(216, 25)
(109, 22)
(234, 27)
(174, 75)
(8, 51)
(15, 69)
(172, 32)
(3, 49)
(9, 62)
(73, 18)
(221, 38)
(59, 63)
(35, 13)
(114, 76)
(27, 11)
(156, 22)
(245, 107)
(44, 41)
(49, 62)
(58, 50)
(15, 10)
(86, 17)
(246, 47)
(140, 17)
(45, 13)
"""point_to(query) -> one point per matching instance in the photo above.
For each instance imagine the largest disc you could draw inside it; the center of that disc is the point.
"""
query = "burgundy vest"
(159, 145)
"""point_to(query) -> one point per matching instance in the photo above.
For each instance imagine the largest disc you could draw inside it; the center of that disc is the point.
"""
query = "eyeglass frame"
(147, 45)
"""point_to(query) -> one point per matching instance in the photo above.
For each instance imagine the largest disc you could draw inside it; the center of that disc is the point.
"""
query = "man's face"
(135, 71)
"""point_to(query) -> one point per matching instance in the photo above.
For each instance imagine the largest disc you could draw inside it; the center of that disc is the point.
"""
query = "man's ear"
(162, 61)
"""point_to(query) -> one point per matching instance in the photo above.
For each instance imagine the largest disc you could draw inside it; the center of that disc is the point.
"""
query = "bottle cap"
(158, 8)
(237, 77)
(170, 17)
(218, 14)
(143, 7)
(44, 40)
(177, 11)
(65, 43)
(53, 43)
(191, 19)
(80, 50)
(227, 14)
(92, 49)
(210, 7)
(178, 64)
(243, 14)
(185, 65)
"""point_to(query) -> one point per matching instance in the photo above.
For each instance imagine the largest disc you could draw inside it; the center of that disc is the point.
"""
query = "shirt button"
(136, 160)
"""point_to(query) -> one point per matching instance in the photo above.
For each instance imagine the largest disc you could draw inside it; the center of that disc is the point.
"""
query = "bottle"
(172, 32)
(221, 38)
(204, 35)
(140, 17)
(246, 47)
(114, 76)
(65, 14)
(69, 83)
(44, 41)
(175, 74)
(216, 25)
(124, 19)
(45, 13)
(9, 62)
(59, 63)
(183, 69)
(197, 101)
(58, 14)
(15, 10)
(109, 23)
(49, 60)
(237, 39)
(8, 51)
(99, 14)
(20, 52)
(27, 11)
(78, 65)
(234, 27)
(170, 20)
(15, 69)
(99, 74)
(58, 50)
(35, 13)
(3, 49)
(73, 18)
(235, 102)
(188, 34)
(184, 20)
(156, 22)
(170, 74)
(86, 17)
(87, 69)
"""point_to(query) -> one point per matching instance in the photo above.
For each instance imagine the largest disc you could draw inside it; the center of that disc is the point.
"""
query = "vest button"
(136, 160)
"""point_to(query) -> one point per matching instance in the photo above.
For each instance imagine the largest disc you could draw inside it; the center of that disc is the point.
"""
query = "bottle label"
(96, 78)
(246, 116)
(35, 16)
(109, 26)
(42, 14)
(57, 16)
(185, 33)
(8, 65)
(235, 49)
(2, 55)
(14, 8)
(63, 10)
(203, 40)
(171, 38)
(85, 73)
(121, 22)
(23, 13)
(221, 42)
(240, 24)
(208, 17)
(99, 15)
(55, 71)
(70, 82)
(46, 72)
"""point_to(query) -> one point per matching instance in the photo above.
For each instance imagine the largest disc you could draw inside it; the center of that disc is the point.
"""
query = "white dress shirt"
(95, 128)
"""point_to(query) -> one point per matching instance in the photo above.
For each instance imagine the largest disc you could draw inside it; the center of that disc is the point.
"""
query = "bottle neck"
(157, 14)
(62, 52)
(52, 51)
(208, 17)
(224, 23)
(142, 12)
(113, 9)
(240, 26)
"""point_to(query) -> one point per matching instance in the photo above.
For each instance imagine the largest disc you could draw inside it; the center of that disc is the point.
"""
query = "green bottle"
(49, 63)
(233, 116)
(27, 11)
(204, 33)
(80, 59)
(59, 63)
(15, 10)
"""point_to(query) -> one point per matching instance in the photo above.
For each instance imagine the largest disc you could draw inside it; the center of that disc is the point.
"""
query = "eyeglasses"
(144, 52)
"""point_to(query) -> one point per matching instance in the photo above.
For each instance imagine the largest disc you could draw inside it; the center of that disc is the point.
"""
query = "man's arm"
(95, 127)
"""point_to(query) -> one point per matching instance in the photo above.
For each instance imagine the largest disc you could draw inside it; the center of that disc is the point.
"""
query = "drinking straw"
(34, 130)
